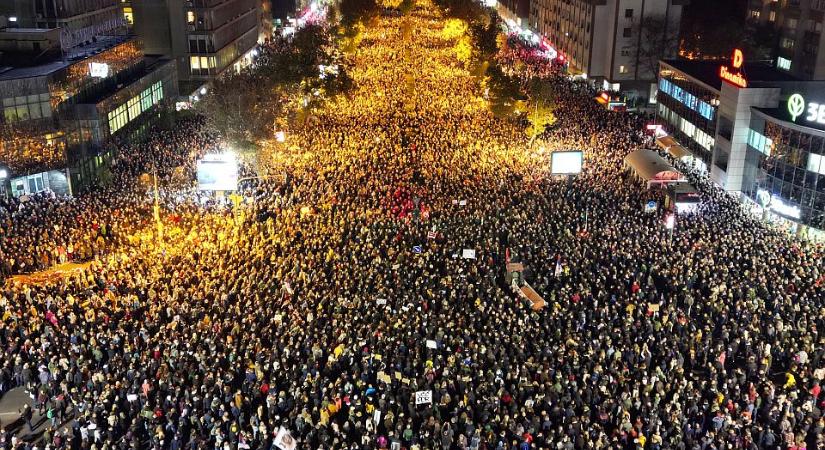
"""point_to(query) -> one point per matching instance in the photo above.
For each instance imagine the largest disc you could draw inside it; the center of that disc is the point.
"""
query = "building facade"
(757, 132)
(786, 181)
(59, 117)
(687, 109)
(205, 37)
(617, 43)
(800, 48)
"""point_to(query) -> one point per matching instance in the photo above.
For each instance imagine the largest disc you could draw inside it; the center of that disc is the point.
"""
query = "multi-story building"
(205, 37)
(758, 131)
(517, 11)
(61, 106)
(800, 48)
(72, 14)
(616, 43)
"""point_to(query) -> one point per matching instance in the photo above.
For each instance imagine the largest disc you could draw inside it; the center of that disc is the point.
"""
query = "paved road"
(10, 406)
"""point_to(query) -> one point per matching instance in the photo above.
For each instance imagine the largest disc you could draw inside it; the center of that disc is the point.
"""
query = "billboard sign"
(218, 173)
(566, 162)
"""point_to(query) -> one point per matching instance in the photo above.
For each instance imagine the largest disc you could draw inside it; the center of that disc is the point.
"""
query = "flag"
(431, 235)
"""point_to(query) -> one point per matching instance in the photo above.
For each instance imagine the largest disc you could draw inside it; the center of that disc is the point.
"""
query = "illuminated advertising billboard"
(566, 163)
(218, 173)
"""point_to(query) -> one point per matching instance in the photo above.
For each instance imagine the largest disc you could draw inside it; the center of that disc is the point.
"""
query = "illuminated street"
(422, 259)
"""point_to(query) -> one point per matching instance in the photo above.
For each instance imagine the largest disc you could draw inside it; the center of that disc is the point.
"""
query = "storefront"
(759, 131)
(52, 180)
(785, 165)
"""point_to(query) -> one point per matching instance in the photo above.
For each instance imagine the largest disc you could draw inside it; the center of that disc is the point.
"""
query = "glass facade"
(688, 111)
(134, 107)
(784, 170)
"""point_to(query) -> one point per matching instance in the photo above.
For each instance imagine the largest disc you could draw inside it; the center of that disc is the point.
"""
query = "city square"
(407, 225)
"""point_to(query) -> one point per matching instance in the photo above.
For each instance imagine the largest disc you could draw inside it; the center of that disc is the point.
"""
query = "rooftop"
(14, 65)
(708, 71)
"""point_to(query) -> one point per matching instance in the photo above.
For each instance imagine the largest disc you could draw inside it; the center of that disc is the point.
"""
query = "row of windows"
(687, 99)
(759, 142)
(200, 65)
(26, 107)
(698, 135)
(200, 44)
(135, 106)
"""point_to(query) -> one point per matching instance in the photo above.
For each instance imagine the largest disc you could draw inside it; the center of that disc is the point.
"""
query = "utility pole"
(158, 223)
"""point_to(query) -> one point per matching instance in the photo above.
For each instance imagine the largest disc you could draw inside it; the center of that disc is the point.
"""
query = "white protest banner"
(432, 344)
(462, 203)
(468, 253)
(377, 416)
(381, 301)
(284, 440)
(422, 397)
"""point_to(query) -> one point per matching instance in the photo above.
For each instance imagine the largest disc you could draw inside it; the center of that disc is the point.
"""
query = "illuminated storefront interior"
(785, 172)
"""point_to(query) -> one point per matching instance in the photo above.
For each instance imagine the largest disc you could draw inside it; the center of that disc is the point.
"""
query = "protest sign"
(422, 397)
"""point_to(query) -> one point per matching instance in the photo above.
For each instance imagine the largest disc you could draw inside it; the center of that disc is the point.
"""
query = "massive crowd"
(332, 296)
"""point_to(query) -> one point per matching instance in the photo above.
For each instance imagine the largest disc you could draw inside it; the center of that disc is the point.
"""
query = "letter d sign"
(738, 58)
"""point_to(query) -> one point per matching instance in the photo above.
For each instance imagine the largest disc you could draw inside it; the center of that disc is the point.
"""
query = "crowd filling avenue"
(357, 296)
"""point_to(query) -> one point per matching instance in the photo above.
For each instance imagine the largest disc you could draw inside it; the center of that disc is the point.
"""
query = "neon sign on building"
(797, 106)
(734, 75)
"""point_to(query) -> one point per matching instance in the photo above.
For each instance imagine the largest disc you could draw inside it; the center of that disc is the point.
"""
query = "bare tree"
(655, 39)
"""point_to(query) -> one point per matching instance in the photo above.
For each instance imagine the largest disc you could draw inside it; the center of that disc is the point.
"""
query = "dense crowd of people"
(328, 303)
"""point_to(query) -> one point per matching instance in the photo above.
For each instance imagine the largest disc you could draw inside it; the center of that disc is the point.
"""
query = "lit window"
(816, 163)
(194, 62)
(783, 63)
(190, 16)
(772, 16)
(622, 69)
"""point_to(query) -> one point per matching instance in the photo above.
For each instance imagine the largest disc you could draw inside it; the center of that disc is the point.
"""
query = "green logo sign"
(796, 105)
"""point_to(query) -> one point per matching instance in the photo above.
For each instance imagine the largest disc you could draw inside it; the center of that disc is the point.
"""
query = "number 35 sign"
(797, 106)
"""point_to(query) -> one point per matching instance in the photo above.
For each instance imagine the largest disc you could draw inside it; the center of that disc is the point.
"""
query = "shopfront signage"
(98, 70)
(777, 205)
(814, 112)
(733, 74)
